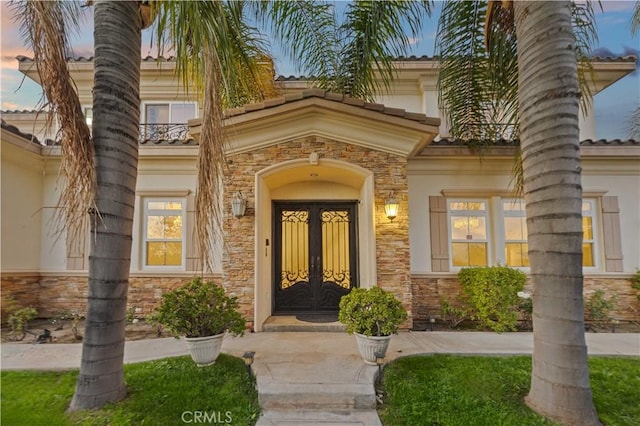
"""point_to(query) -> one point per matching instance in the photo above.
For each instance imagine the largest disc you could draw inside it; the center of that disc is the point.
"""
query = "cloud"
(617, 6)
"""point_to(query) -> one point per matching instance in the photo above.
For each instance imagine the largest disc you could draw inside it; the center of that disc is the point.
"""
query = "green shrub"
(452, 315)
(372, 312)
(199, 309)
(490, 295)
(19, 321)
(635, 283)
(598, 309)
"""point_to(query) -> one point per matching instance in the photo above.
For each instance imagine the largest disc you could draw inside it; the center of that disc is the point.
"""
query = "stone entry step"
(319, 418)
(314, 396)
(289, 323)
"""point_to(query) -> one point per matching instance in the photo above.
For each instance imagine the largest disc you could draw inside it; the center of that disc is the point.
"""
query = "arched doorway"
(331, 192)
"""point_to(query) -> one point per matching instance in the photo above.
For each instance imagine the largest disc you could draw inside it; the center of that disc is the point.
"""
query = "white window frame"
(488, 224)
(595, 227)
(159, 212)
(496, 232)
(145, 104)
(500, 217)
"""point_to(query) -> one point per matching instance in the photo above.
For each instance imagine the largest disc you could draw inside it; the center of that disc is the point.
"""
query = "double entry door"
(315, 255)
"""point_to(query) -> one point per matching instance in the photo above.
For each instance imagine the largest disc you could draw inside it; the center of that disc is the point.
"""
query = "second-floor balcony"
(164, 132)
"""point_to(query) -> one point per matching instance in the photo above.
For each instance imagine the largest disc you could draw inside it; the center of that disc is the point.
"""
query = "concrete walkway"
(315, 378)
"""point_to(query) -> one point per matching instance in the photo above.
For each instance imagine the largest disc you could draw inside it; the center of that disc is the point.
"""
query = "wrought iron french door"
(315, 255)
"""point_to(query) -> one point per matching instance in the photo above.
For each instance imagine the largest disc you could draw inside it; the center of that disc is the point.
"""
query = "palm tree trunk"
(116, 109)
(549, 103)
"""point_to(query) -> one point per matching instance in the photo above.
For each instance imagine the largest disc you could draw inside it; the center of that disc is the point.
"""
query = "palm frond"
(635, 19)
(633, 126)
(372, 35)
(307, 31)
(225, 62)
(46, 27)
(586, 37)
(464, 83)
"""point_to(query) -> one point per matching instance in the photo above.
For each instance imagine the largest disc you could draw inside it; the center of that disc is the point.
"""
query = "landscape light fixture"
(238, 204)
(248, 360)
(379, 362)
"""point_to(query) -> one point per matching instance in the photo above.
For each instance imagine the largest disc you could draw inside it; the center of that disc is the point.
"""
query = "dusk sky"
(612, 107)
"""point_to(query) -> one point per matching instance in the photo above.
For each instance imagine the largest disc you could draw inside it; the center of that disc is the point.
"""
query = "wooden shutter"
(439, 235)
(612, 236)
(76, 252)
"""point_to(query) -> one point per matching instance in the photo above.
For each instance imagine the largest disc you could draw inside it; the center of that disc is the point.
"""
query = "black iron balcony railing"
(163, 131)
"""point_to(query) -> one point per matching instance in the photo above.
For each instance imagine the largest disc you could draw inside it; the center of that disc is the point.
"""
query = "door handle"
(312, 270)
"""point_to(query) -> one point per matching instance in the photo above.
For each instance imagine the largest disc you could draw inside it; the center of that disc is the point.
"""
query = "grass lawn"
(473, 390)
(159, 393)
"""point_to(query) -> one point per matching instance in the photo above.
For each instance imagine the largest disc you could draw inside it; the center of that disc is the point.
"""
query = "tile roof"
(168, 142)
(27, 136)
(333, 97)
(507, 143)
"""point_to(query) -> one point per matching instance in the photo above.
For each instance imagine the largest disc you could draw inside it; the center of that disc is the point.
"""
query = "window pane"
(587, 228)
(155, 253)
(515, 228)
(469, 254)
(164, 205)
(164, 253)
(173, 227)
(173, 205)
(158, 113)
(478, 228)
(513, 205)
(468, 228)
(587, 254)
(181, 113)
(459, 227)
(173, 253)
(155, 227)
(586, 206)
(460, 254)
(477, 254)
(463, 205)
(516, 254)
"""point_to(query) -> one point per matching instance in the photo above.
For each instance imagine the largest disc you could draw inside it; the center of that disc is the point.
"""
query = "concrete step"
(316, 396)
(287, 323)
(319, 418)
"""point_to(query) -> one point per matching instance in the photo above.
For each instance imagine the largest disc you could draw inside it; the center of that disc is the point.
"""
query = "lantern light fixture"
(391, 207)
(238, 204)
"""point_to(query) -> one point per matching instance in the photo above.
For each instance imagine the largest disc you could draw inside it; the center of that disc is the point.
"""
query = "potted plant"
(202, 312)
(373, 315)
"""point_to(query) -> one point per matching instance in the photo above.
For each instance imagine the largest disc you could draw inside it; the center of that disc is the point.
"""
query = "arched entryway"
(314, 187)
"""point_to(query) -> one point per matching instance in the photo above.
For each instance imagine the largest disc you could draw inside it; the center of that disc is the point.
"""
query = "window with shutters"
(492, 231)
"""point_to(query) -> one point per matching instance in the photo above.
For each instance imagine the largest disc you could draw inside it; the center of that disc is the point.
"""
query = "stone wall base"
(53, 295)
(429, 291)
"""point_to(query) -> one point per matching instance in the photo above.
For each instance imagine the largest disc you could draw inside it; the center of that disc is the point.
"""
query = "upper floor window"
(164, 232)
(167, 120)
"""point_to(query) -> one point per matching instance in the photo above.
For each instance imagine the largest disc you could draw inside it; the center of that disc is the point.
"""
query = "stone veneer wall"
(428, 291)
(52, 295)
(392, 238)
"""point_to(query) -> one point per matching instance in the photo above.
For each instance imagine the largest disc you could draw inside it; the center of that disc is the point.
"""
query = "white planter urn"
(369, 345)
(204, 350)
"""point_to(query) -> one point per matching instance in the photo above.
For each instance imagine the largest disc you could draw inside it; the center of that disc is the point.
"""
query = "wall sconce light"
(238, 204)
(248, 360)
(391, 207)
